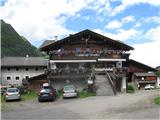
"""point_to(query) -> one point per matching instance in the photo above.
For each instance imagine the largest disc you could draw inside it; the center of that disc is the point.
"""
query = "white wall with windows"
(14, 75)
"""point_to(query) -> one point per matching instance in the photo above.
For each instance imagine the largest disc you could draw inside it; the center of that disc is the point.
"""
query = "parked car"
(149, 87)
(47, 93)
(12, 94)
(69, 91)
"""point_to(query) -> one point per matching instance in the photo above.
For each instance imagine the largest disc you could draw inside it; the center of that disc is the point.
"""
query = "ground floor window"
(8, 77)
(17, 77)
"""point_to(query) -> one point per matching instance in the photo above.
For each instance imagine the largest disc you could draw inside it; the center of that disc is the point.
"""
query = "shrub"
(157, 100)
(59, 93)
(130, 89)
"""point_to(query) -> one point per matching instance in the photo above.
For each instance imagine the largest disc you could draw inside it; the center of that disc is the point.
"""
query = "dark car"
(47, 94)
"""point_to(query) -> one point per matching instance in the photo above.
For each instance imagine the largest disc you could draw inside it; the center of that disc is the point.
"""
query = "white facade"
(14, 75)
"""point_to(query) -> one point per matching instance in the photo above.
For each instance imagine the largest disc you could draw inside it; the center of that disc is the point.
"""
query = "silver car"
(12, 94)
(69, 91)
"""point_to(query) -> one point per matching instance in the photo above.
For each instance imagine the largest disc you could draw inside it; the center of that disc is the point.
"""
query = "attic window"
(8, 69)
(27, 69)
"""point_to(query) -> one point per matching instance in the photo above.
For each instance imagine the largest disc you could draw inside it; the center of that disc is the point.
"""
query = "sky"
(134, 22)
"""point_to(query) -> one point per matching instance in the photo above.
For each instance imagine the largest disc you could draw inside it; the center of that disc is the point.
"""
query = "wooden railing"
(89, 55)
(111, 82)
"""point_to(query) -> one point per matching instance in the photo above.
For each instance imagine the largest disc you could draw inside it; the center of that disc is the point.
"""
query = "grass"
(28, 96)
(84, 94)
(59, 93)
(157, 100)
(131, 89)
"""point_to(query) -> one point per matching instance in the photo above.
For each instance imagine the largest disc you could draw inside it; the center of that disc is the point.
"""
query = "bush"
(130, 89)
(28, 95)
(59, 93)
(157, 100)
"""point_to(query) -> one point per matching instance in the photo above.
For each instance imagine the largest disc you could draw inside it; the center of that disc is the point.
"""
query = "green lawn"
(28, 96)
(157, 100)
(83, 94)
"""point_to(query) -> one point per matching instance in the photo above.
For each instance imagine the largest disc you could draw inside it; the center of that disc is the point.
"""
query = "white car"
(12, 94)
(149, 87)
(69, 91)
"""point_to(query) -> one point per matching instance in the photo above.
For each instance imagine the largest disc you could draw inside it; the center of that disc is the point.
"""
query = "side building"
(14, 69)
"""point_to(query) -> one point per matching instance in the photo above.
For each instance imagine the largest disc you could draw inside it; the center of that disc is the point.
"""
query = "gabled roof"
(136, 63)
(85, 34)
(46, 43)
(23, 61)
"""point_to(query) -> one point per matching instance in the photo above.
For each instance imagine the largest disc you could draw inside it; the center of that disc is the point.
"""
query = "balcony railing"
(88, 54)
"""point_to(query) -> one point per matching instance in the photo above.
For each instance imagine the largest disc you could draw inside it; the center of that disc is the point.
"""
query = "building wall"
(136, 69)
(36, 84)
(21, 73)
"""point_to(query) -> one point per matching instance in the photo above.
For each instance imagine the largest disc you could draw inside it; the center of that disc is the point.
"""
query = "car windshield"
(12, 90)
(69, 87)
(46, 90)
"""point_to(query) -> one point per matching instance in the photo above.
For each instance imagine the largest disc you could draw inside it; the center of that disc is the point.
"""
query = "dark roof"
(46, 43)
(144, 66)
(86, 33)
(23, 61)
(38, 77)
(144, 74)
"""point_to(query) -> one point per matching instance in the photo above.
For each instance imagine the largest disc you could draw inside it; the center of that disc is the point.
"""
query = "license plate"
(45, 95)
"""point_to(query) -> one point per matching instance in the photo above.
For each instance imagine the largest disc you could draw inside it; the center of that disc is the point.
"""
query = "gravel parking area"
(122, 106)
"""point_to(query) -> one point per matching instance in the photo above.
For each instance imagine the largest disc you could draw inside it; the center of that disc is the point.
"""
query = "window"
(17, 69)
(27, 69)
(8, 69)
(8, 77)
(17, 77)
(36, 68)
(26, 77)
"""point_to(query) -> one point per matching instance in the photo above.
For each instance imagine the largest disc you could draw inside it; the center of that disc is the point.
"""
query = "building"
(14, 69)
(86, 56)
(140, 73)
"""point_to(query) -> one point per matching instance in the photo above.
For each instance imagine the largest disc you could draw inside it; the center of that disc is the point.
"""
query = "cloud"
(114, 25)
(127, 3)
(128, 19)
(121, 34)
(148, 52)
(153, 34)
(41, 19)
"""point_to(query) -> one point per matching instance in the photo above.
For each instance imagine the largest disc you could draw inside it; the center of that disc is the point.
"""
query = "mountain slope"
(12, 44)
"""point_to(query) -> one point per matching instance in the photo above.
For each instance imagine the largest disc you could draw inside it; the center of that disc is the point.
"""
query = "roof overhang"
(71, 61)
(111, 59)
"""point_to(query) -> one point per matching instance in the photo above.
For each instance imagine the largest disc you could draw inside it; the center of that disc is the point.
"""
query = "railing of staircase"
(111, 82)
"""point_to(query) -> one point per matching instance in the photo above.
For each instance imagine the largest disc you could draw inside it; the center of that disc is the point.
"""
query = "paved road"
(122, 106)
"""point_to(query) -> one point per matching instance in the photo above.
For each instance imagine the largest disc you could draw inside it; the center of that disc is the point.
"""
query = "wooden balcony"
(68, 55)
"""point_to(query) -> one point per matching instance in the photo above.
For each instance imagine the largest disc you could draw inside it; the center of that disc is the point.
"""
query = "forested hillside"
(12, 44)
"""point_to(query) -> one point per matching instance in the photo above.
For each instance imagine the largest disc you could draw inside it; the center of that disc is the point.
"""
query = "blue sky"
(136, 23)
